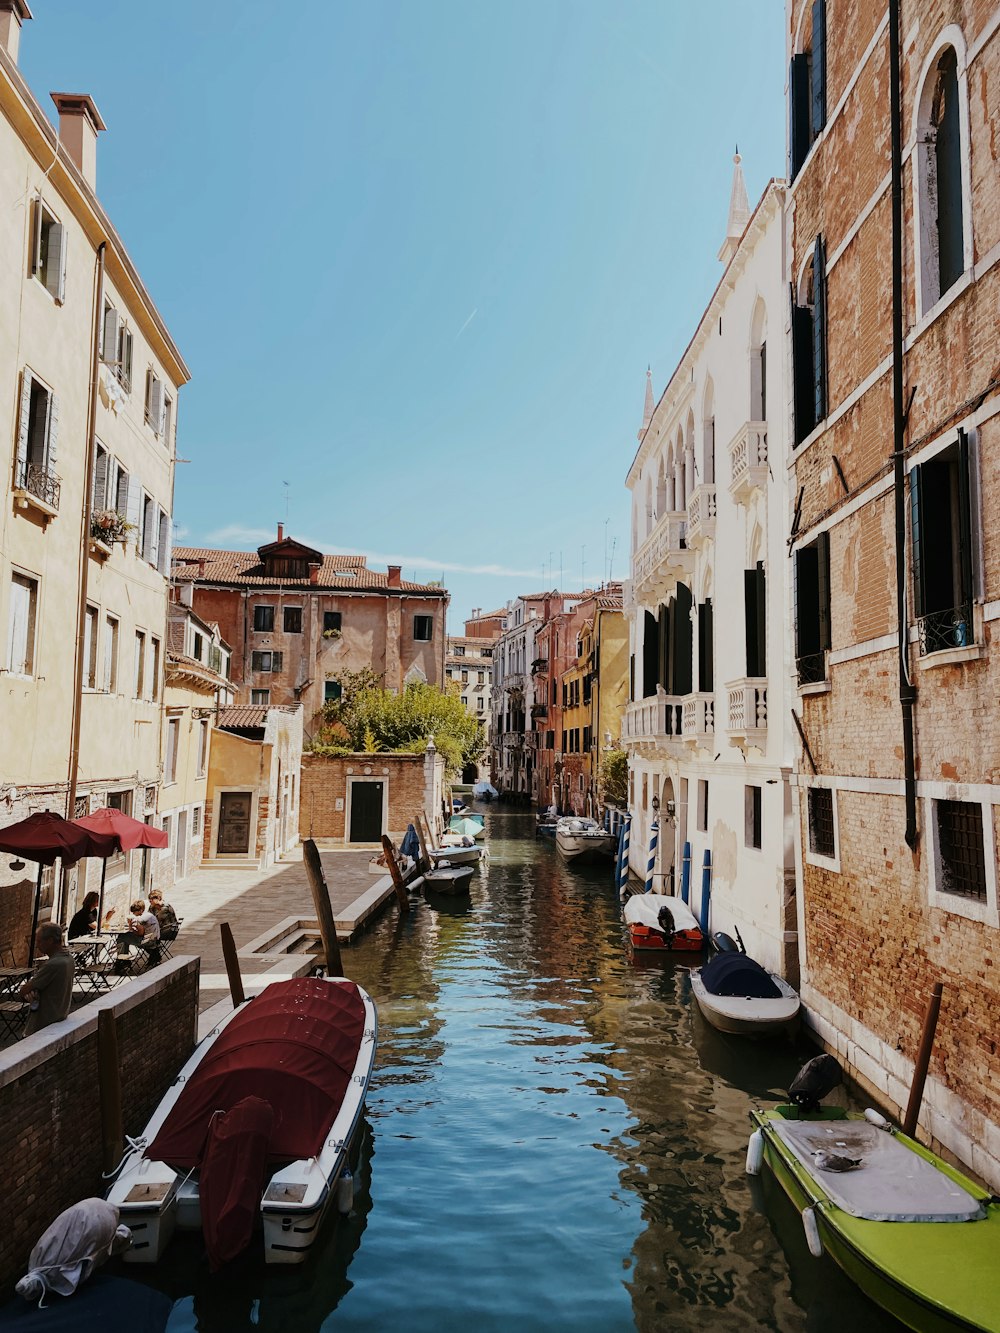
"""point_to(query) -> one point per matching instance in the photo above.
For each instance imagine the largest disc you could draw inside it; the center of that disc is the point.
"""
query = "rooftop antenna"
(611, 561)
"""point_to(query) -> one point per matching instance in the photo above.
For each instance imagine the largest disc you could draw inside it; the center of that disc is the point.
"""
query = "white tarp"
(77, 1242)
(642, 909)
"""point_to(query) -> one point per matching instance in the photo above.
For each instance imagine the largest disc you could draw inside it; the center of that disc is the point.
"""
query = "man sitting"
(163, 912)
(49, 991)
(144, 931)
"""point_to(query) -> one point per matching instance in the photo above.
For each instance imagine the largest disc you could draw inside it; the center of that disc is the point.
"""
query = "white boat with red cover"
(256, 1127)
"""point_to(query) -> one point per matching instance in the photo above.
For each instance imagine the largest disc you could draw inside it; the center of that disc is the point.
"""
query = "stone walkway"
(267, 910)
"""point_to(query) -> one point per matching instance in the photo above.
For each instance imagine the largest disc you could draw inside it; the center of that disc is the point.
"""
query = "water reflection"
(556, 1139)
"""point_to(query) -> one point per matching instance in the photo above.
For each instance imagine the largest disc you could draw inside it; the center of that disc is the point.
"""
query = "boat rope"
(131, 1145)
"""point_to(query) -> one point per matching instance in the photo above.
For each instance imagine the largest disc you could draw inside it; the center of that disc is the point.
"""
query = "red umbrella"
(127, 833)
(46, 837)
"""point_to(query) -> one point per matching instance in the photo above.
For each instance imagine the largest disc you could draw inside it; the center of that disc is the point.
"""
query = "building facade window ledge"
(746, 721)
(951, 657)
(47, 507)
(99, 550)
(748, 461)
(815, 687)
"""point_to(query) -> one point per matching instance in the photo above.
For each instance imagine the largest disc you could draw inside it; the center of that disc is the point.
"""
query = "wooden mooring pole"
(324, 908)
(232, 964)
(425, 860)
(923, 1060)
(110, 1090)
(397, 878)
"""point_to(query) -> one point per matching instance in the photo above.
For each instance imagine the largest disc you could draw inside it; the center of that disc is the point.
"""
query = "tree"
(613, 778)
(369, 718)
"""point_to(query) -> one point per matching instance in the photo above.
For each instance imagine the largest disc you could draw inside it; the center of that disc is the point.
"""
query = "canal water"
(553, 1140)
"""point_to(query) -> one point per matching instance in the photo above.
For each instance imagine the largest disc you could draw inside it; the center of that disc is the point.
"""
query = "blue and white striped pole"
(654, 837)
(623, 860)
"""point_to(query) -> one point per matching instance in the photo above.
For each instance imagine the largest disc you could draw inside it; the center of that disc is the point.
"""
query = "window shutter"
(126, 358)
(52, 433)
(36, 233)
(166, 544)
(663, 649)
(133, 506)
(823, 588)
(798, 110)
(109, 335)
(23, 426)
(153, 535)
(55, 271)
(706, 648)
(964, 521)
(818, 66)
(819, 329)
(156, 405)
(99, 498)
(802, 381)
(276, 661)
(806, 601)
(682, 645)
(917, 537)
(650, 657)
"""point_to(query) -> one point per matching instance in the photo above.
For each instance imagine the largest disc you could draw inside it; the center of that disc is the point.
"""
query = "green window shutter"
(798, 111)
(917, 538)
(819, 330)
(818, 67)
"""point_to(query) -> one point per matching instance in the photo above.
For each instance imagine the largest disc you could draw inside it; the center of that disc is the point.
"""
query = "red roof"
(294, 1046)
(242, 569)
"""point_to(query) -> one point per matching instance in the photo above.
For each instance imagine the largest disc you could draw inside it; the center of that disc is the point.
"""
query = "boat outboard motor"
(665, 921)
(725, 943)
(814, 1080)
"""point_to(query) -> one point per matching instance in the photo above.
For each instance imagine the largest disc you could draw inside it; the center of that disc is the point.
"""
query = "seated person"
(143, 931)
(85, 921)
(163, 912)
(49, 991)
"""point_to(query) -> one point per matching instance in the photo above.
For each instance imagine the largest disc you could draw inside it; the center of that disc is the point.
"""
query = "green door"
(366, 812)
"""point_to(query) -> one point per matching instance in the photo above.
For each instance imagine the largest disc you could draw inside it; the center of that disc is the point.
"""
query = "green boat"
(918, 1237)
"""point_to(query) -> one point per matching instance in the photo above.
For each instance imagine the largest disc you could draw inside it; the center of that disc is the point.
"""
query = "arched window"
(758, 363)
(807, 85)
(708, 434)
(690, 464)
(680, 479)
(943, 238)
(809, 360)
(661, 488)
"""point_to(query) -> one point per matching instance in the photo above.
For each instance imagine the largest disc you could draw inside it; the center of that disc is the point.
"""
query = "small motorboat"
(484, 791)
(737, 995)
(256, 1127)
(918, 1236)
(581, 839)
(545, 823)
(461, 854)
(468, 825)
(659, 923)
(447, 878)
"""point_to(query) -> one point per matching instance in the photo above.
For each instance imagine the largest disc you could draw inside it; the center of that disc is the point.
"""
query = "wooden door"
(366, 811)
(234, 823)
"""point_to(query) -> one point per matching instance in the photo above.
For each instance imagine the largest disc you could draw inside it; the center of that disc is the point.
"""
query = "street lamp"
(656, 805)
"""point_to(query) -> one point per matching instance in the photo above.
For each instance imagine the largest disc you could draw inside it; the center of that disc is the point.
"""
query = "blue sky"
(418, 254)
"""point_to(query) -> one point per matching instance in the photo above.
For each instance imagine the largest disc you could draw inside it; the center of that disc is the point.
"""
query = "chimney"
(314, 573)
(281, 532)
(394, 573)
(79, 125)
(12, 14)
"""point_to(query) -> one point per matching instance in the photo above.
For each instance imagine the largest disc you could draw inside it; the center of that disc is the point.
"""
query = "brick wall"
(50, 1150)
(324, 783)
(16, 904)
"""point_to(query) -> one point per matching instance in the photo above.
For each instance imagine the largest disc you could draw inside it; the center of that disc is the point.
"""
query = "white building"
(708, 730)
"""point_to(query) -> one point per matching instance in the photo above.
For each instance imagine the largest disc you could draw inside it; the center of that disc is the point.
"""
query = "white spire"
(647, 407)
(739, 211)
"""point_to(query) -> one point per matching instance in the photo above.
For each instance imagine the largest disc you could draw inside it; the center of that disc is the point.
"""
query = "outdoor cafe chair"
(13, 1016)
(7, 958)
(168, 938)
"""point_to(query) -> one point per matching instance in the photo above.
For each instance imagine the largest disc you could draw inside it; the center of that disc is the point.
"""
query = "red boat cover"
(295, 1046)
(232, 1178)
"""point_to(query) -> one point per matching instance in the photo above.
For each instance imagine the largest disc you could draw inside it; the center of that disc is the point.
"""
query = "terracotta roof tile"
(244, 717)
(244, 569)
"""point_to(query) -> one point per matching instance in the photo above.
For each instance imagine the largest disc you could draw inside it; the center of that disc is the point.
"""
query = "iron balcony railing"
(940, 630)
(811, 668)
(39, 482)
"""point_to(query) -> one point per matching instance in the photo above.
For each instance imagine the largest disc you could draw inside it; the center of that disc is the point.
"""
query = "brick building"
(469, 666)
(299, 620)
(896, 543)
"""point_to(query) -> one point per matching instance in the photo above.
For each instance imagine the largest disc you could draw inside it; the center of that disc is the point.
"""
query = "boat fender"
(416, 884)
(345, 1192)
(755, 1153)
(811, 1228)
(877, 1119)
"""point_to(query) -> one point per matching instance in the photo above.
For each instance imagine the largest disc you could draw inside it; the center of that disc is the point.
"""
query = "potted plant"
(332, 633)
(109, 526)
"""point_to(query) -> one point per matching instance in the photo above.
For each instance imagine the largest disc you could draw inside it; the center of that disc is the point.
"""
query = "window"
(702, 808)
(109, 673)
(120, 491)
(459, 651)
(480, 677)
(706, 648)
(202, 747)
(198, 647)
(755, 601)
(479, 703)
(99, 489)
(123, 369)
(263, 619)
(155, 399)
(941, 531)
(752, 816)
(48, 259)
(811, 575)
(260, 697)
(36, 440)
(331, 691)
(961, 852)
(196, 823)
(168, 829)
(809, 357)
(118, 800)
(140, 662)
(163, 545)
(265, 661)
(168, 416)
(110, 327)
(465, 675)
(807, 92)
(23, 615)
(90, 649)
(423, 627)
(293, 619)
(465, 701)
(331, 621)
(822, 831)
(154, 681)
(173, 739)
(147, 527)
(939, 182)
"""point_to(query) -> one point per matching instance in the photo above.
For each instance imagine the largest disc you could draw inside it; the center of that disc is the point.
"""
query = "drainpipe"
(88, 496)
(907, 691)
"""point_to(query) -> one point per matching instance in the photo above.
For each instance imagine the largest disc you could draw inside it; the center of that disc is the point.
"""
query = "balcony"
(657, 723)
(701, 517)
(663, 560)
(539, 710)
(699, 720)
(746, 723)
(748, 461)
(37, 488)
(539, 665)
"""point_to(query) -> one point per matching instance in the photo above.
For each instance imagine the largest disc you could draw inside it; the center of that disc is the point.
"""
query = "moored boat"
(659, 923)
(469, 824)
(887, 1210)
(458, 855)
(256, 1126)
(581, 839)
(445, 878)
(737, 995)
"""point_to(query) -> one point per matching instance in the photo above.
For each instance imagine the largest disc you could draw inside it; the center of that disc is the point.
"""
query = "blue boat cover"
(410, 846)
(103, 1303)
(735, 974)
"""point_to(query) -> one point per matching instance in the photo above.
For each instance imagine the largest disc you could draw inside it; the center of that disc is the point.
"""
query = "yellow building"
(88, 390)
(594, 692)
